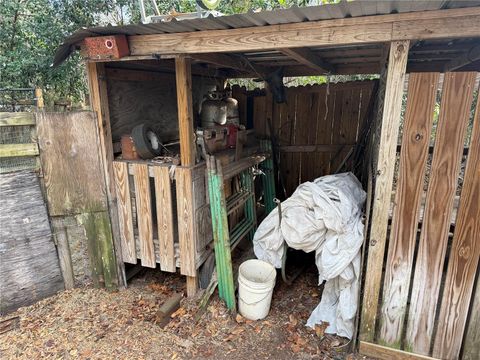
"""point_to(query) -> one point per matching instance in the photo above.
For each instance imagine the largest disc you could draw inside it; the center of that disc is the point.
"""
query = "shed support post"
(99, 103)
(384, 172)
(183, 75)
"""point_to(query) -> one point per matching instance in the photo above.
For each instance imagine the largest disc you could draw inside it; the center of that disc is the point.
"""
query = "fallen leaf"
(293, 320)
(180, 312)
(320, 328)
(239, 319)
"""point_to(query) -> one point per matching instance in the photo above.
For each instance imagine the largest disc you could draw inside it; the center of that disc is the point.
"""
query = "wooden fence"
(315, 129)
(424, 302)
(156, 219)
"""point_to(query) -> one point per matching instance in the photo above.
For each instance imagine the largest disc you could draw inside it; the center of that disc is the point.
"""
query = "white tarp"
(324, 216)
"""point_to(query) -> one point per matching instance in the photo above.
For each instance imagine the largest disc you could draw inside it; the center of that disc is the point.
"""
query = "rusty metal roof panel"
(275, 17)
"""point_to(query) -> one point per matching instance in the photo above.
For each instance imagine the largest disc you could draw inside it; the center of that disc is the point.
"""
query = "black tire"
(141, 135)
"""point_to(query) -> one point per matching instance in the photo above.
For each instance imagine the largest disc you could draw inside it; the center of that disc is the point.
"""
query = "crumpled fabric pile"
(324, 216)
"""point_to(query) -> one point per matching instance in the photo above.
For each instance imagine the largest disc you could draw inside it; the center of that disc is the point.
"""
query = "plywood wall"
(136, 97)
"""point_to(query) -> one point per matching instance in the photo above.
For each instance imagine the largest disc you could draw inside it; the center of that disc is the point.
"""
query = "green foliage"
(31, 31)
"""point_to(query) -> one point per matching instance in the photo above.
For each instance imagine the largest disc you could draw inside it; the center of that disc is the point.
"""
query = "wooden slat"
(368, 29)
(452, 123)
(471, 346)
(464, 256)
(422, 91)
(386, 353)
(183, 73)
(125, 216)
(186, 229)
(383, 184)
(17, 150)
(16, 119)
(144, 214)
(163, 195)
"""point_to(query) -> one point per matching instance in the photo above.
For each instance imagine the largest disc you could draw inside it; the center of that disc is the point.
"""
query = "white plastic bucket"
(256, 280)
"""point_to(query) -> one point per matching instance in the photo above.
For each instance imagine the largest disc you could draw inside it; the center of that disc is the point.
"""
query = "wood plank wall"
(430, 267)
(315, 129)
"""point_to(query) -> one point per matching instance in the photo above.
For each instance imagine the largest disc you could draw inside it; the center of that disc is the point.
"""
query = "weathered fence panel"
(29, 268)
(316, 129)
(425, 312)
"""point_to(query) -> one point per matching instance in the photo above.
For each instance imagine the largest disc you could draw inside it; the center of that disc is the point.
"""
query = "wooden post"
(183, 73)
(99, 103)
(63, 248)
(392, 106)
(39, 99)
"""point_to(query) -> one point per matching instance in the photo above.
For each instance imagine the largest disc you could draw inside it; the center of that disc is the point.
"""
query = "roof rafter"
(307, 57)
(470, 56)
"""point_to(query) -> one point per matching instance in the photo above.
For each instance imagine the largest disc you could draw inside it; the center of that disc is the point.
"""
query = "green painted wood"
(221, 236)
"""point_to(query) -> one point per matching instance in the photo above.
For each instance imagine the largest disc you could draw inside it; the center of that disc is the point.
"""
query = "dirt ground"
(88, 323)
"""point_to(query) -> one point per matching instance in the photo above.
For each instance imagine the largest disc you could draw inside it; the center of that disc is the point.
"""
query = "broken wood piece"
(9, 324)
(168, 308)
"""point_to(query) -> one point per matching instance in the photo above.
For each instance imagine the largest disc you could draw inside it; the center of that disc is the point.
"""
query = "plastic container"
(256, 280)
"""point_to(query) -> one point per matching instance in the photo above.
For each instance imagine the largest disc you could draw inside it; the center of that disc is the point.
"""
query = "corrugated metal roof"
(251, 19)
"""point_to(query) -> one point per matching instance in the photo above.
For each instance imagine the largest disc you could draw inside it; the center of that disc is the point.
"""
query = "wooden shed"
(411, 133)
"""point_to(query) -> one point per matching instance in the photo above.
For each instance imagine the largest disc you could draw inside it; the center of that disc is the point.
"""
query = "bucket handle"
(255, 302)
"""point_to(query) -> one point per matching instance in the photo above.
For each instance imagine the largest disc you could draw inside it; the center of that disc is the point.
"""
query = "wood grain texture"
(186, 225)
(452, 123)
(368, 29)
(383, 184)
(148, 97)
(72, 168)
(63, 249)
(418, 122)
(125, 215)
(165, 224)
(183, 73)
(97, 82)
(387, 353)
(144, 214)
(18, 150)
(29, 268)
(16, 118)
(464, 256)
(471, 345)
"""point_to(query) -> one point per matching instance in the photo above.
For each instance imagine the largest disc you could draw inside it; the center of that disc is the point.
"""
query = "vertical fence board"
(422, 93)
(471, 346)
(465, 253)
(383, 184)
(186, 228)
(452, 123)
(163, 194)
(125, 216)
(303, 126)
(144, 214)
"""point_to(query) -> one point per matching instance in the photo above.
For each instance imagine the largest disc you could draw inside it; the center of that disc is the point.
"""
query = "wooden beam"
(233, 62)
(183, 73)
(97, 82)
(314, 148)
(385, 167)
(472, 55)
(14, 150)
(386, 353)
(16, 119)
(449, 23)
(307, 57)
